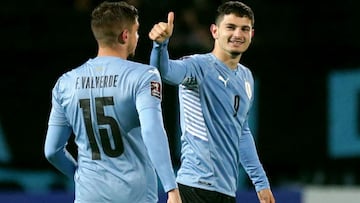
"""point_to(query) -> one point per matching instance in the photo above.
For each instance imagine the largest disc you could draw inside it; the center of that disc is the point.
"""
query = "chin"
(235, 53)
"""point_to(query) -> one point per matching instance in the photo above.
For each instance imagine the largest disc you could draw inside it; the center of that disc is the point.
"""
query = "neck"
(112, 51)
(229, 60)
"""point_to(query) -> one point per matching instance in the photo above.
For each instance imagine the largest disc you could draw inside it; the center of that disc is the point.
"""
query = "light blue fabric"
(214, 105)
(104, 102)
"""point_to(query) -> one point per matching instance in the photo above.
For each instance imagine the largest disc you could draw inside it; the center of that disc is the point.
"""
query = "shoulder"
(143, 72)
(245, 70)
(144, 68)
(64, 77)
(68, 75)
(195, 60)
(195, 57)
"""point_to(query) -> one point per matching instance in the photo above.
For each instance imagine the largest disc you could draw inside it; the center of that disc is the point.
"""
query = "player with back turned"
(215, 96)
(113, 107)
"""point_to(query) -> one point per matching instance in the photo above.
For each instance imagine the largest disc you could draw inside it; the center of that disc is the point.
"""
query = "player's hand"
(174, 196)
(162, 31)
(266, 196)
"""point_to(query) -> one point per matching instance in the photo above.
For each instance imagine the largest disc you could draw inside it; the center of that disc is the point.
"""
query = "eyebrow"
(234, 25)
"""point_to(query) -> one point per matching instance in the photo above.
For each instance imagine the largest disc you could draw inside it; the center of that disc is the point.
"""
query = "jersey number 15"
(102, 119)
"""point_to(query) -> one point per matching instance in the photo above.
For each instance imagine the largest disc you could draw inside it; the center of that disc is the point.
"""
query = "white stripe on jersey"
(193, 116)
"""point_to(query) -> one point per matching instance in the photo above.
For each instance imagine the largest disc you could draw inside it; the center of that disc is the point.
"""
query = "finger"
(161, 27)
(152, 36)
(171, 18)
(155, 36)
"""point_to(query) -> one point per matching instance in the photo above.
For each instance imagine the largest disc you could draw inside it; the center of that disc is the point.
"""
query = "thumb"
(170, 18)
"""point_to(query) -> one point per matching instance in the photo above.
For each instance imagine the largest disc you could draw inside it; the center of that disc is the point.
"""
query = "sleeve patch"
(156, 89)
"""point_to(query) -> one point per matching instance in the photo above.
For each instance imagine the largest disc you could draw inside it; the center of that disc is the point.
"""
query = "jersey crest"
(248, 89)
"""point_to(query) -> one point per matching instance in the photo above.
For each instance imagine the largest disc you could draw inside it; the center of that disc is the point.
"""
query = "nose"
(238, 32)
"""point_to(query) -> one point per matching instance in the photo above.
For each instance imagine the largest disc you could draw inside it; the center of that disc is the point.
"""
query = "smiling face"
(232, 35)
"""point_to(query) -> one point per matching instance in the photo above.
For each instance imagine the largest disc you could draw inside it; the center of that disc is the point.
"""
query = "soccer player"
(215, 94)
(113, 107)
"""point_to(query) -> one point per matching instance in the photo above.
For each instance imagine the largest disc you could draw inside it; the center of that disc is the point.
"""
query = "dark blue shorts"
(196, 195)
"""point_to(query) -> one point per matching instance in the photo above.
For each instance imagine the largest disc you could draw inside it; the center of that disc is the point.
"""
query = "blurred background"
(305, 58)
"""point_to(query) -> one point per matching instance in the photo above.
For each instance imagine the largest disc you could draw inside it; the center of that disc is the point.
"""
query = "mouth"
(236, 42)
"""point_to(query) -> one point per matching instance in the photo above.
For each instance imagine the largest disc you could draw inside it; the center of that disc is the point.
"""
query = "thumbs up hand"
(162, 31)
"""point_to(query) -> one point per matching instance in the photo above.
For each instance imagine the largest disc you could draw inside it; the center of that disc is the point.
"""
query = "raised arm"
(172, 71)
(163, 30)
(160, 34)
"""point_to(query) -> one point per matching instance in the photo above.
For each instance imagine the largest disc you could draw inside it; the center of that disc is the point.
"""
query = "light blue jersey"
(214, 106)
(104, 102)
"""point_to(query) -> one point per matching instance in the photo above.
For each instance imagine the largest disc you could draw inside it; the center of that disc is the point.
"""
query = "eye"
(245, 29)
(230, 27)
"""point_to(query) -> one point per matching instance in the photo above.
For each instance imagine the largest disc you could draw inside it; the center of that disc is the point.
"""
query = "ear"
(253, 33)
(213, 30)
(123, 36)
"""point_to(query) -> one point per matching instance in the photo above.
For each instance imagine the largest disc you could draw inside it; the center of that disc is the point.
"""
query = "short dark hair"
(234, 7)
(109, 19)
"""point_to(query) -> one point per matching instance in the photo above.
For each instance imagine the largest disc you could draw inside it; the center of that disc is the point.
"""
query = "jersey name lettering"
(96, 82)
